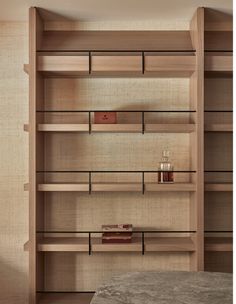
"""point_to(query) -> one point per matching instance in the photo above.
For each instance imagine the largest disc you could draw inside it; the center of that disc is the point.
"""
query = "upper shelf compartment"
(115, 41)
(160, 64)
(219, 62)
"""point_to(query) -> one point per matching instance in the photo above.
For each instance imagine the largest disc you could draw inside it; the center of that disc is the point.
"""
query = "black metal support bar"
(90, 245)
(90, 127)
(136, 231)
(143, 63)
(143, 122)
(143, 244)
(122, 111)
(90, 182)
(90, 63)
(143, 183)
(110, 171)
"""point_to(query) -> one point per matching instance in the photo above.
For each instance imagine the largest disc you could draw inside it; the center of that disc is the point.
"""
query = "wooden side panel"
(197, 151)
(35, 94)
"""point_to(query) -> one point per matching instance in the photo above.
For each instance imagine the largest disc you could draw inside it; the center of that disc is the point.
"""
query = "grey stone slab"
(171, 287)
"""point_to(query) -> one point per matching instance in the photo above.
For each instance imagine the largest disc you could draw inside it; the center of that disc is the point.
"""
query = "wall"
(13, 163)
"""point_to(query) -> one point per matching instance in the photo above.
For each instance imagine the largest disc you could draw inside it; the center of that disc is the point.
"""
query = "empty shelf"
(219, 244)
(81, 244)
(218, 63)
(63, 127)
(219, 127)
(169, 66)
(169, 244)
(170, 128)
(63, 187)
(72, 65)
(218, 187)
(170, 187)
(66, 298)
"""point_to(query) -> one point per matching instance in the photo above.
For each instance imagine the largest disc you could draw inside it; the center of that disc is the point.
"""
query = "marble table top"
(171, 287)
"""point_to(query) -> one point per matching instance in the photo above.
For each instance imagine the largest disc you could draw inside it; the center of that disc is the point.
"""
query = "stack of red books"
(117, 233)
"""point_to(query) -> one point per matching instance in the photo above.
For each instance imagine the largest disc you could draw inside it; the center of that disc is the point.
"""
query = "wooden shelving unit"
(218, 129)
(69, 154)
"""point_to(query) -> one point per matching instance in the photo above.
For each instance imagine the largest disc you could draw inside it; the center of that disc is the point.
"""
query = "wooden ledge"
(26, 68)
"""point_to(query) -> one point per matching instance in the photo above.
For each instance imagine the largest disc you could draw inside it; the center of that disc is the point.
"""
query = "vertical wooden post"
(197, 139)
(35, 33)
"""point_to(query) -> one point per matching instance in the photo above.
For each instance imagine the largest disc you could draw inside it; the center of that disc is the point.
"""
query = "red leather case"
(105, 118)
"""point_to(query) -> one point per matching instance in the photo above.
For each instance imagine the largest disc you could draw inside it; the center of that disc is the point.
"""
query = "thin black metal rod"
(90, 245)
(121, 51)
(90, 63)
(143, 63)
(224, 111)
(143, 122)
(119, 111)
(90, 129)
(90, 182)
(219, 171)
(110, 171)
(220, 231)
(136, 231)
(143, 183)
(143, 244)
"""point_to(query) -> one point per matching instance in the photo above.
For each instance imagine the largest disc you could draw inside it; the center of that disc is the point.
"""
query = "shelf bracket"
(26, 127)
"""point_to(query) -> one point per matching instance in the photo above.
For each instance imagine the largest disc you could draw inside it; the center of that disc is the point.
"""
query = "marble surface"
(175, 287)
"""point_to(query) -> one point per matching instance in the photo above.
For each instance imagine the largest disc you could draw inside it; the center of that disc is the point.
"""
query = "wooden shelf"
(218, 63)
(81, 244)
(118, 128)
(218, 244)
(170, 128)
(79, 187)
(117, 187)
(177, 244)
(26, 68)
(175, 187)
(64, 65)
(218, 187)
(118, 64)
(63, 127)
(219, 127)
(65, 298)
(170, 66)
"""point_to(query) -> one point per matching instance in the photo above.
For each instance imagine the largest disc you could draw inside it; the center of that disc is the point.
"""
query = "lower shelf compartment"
(218, 244)
(65, 297)
(218, 187)
(82, 244)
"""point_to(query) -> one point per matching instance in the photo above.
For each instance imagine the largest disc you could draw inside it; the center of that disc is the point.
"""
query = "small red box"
(105, 118)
